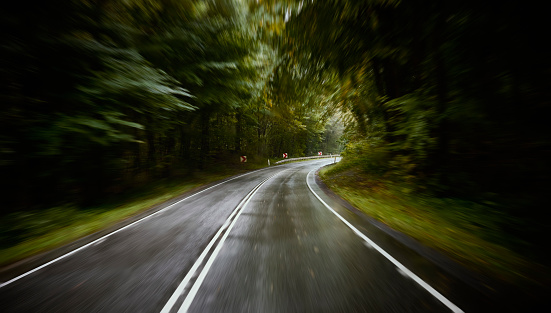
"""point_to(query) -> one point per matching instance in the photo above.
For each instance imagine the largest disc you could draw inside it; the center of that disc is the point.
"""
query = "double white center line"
(224, 232)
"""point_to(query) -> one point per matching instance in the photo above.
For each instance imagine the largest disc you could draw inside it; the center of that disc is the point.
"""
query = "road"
(268, 241)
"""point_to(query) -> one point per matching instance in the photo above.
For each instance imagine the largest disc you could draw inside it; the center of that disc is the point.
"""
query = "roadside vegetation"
(477, 234)
(442, 109)
(102, 97)
(29, 232)
(446, 109)
(109, 107)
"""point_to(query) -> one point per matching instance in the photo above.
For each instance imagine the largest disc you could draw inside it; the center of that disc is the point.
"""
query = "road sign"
(243, 158)
(284, 155)
(319, 153)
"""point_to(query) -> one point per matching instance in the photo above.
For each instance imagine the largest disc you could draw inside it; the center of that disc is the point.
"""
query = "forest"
(102, 96)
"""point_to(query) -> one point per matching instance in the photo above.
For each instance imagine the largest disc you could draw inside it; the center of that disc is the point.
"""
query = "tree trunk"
(442, 130)
(205, 142)
(151, 147)
(238, 131)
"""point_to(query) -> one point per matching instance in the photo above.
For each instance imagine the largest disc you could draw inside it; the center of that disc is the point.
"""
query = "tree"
(437, 81)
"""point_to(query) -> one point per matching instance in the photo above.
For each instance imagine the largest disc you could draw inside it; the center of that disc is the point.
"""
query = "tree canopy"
(102, 95)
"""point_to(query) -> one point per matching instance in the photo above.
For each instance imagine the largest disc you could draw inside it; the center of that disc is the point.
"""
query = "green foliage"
(100, 97)
(368, 157)
(437, 83)
(414, 139)
(449, 98)
(474, 234)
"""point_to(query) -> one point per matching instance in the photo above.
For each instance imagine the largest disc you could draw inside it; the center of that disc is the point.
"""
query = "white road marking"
(97, 241)
(193, 291)
(193, 269)
(399, 265)
(100, 241)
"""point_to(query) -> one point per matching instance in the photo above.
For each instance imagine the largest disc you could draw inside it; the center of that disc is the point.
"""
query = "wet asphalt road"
(244, 246)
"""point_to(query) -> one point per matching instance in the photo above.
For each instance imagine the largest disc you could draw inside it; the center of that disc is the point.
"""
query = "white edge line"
(405, 270)
(114, 232)
(193, 291)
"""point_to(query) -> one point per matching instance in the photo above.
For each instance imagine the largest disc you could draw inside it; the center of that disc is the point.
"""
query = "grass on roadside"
(466, 231)
(26, 233)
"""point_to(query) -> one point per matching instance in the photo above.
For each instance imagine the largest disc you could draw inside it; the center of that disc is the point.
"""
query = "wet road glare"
(261, 242)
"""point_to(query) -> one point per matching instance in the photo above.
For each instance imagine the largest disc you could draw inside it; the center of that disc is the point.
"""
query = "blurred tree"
(102, 95)
(441, 83)
(73, 89)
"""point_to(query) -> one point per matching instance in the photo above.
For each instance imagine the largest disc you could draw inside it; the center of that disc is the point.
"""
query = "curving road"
(271, 240)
